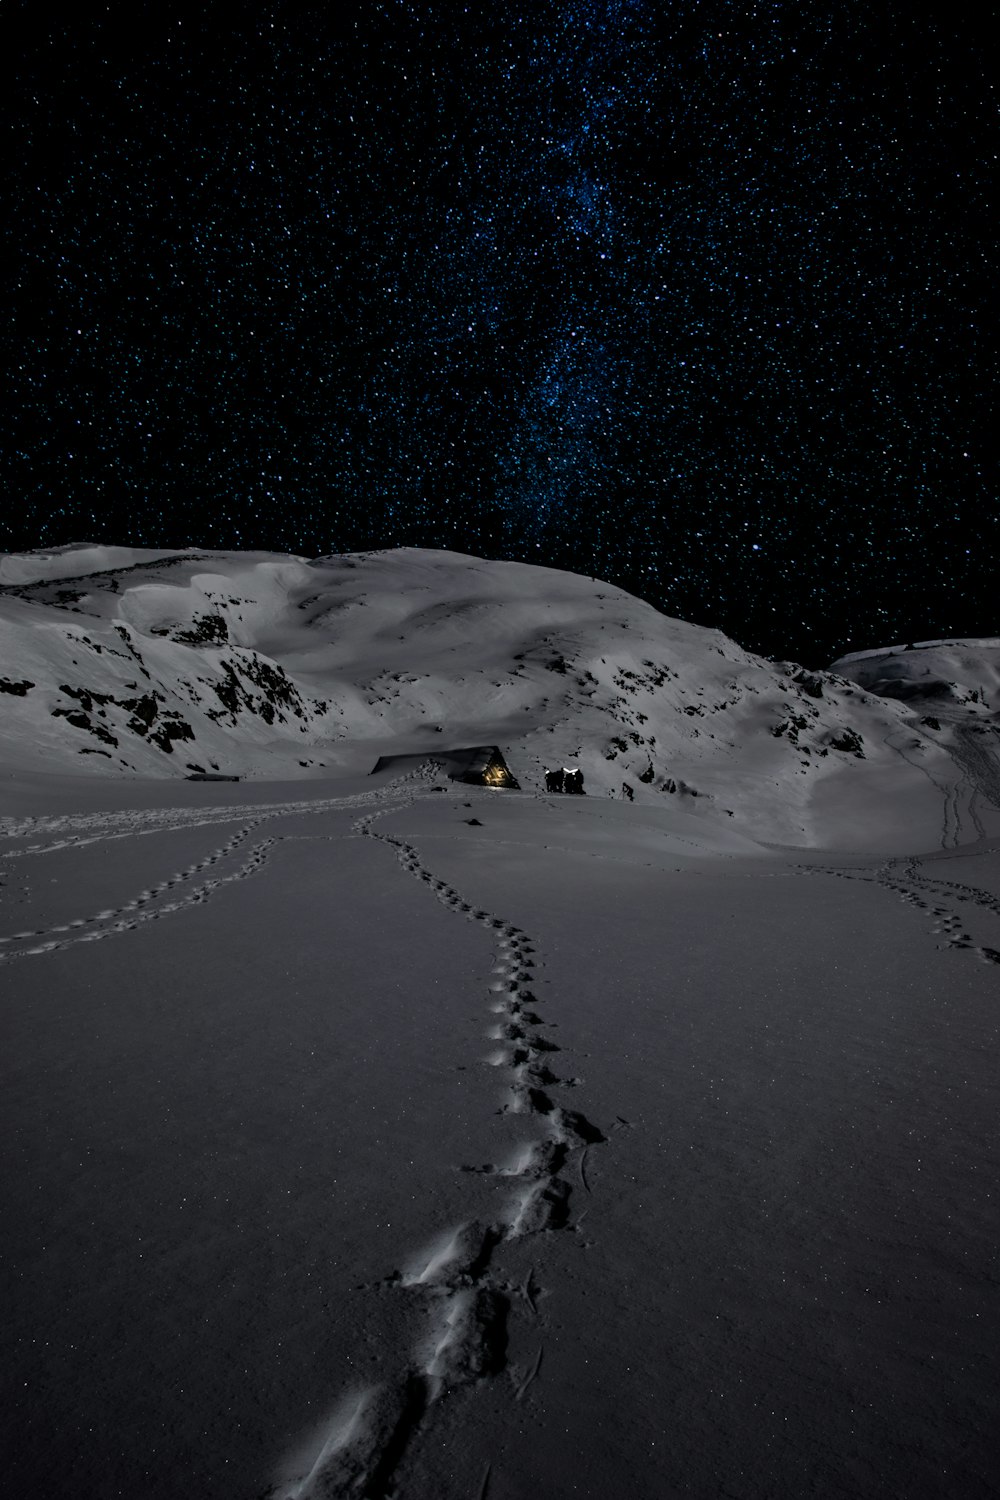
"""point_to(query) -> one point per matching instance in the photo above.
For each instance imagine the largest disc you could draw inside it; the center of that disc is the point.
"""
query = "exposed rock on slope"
(153, 664)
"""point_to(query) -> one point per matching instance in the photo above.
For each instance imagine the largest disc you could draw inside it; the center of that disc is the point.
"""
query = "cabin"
(476, 765)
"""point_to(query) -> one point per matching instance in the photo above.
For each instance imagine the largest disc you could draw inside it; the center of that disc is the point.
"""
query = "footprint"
(545, 1076)
(470, 1341)
(542, 1044)
(438, 1258)
(401, 1410)
(542, 1207)
(576, 1125)
(347, 1441)
(463, 1253)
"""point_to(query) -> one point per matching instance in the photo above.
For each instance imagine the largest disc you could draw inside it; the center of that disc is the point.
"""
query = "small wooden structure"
(477, 765)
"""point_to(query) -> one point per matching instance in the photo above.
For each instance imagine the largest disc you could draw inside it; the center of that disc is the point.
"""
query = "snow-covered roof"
(468, 761)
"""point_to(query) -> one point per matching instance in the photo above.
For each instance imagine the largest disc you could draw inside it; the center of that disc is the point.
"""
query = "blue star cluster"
(695, 297)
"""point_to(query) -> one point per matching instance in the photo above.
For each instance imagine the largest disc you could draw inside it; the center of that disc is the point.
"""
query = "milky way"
(688, 296)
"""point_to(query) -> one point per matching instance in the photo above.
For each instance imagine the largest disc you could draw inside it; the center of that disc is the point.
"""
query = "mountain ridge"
(143, 662)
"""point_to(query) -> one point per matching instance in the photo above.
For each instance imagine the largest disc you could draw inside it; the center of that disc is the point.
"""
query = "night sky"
(696, 297)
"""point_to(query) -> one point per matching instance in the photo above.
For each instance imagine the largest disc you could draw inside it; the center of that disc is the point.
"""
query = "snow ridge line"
(467, 1299)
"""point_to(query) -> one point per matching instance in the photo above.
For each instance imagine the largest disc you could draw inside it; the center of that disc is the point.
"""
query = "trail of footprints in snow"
(133, 913)
(468, 1301)
(126, 918)
(926, 895)
(79, 830)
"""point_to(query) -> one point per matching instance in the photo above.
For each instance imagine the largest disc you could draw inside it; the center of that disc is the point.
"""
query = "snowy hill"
(947, 674)
(123, 662)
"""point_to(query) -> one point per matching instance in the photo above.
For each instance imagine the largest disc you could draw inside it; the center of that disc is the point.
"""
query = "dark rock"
(850, 742)
(144, 711)
(206, 630)
(170, 730)
(809, 682)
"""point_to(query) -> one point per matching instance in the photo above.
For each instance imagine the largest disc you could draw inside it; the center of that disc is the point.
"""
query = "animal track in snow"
(467, 1301)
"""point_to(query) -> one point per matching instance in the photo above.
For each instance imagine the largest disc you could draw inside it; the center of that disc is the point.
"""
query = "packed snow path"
(436, 1145)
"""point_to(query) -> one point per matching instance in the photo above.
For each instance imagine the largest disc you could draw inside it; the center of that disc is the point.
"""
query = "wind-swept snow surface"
(397, 1139)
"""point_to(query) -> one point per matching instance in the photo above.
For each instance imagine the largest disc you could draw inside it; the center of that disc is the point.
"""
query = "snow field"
(383, 1137)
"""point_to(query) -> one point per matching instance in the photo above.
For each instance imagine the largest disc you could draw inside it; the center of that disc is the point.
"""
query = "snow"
(267, 667)
(382, 1135)
(976, 643)
(963, 672)
(74, 561)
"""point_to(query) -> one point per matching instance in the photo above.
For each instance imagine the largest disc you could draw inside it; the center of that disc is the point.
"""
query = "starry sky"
(696, 297)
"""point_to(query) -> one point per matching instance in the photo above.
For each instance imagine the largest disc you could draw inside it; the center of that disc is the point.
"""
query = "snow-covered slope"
(371, 1135)
(74, 561)
(945, 674)
(127, 663)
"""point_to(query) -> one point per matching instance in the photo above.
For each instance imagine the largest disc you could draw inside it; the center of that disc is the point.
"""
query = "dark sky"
(694, 297)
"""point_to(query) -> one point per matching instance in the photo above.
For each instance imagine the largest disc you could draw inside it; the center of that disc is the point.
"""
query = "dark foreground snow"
(355, 1147)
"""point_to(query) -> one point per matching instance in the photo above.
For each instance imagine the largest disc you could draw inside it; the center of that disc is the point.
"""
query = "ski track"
(458, 1279)
(951, 821)
(979, 778)
(980, 768)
